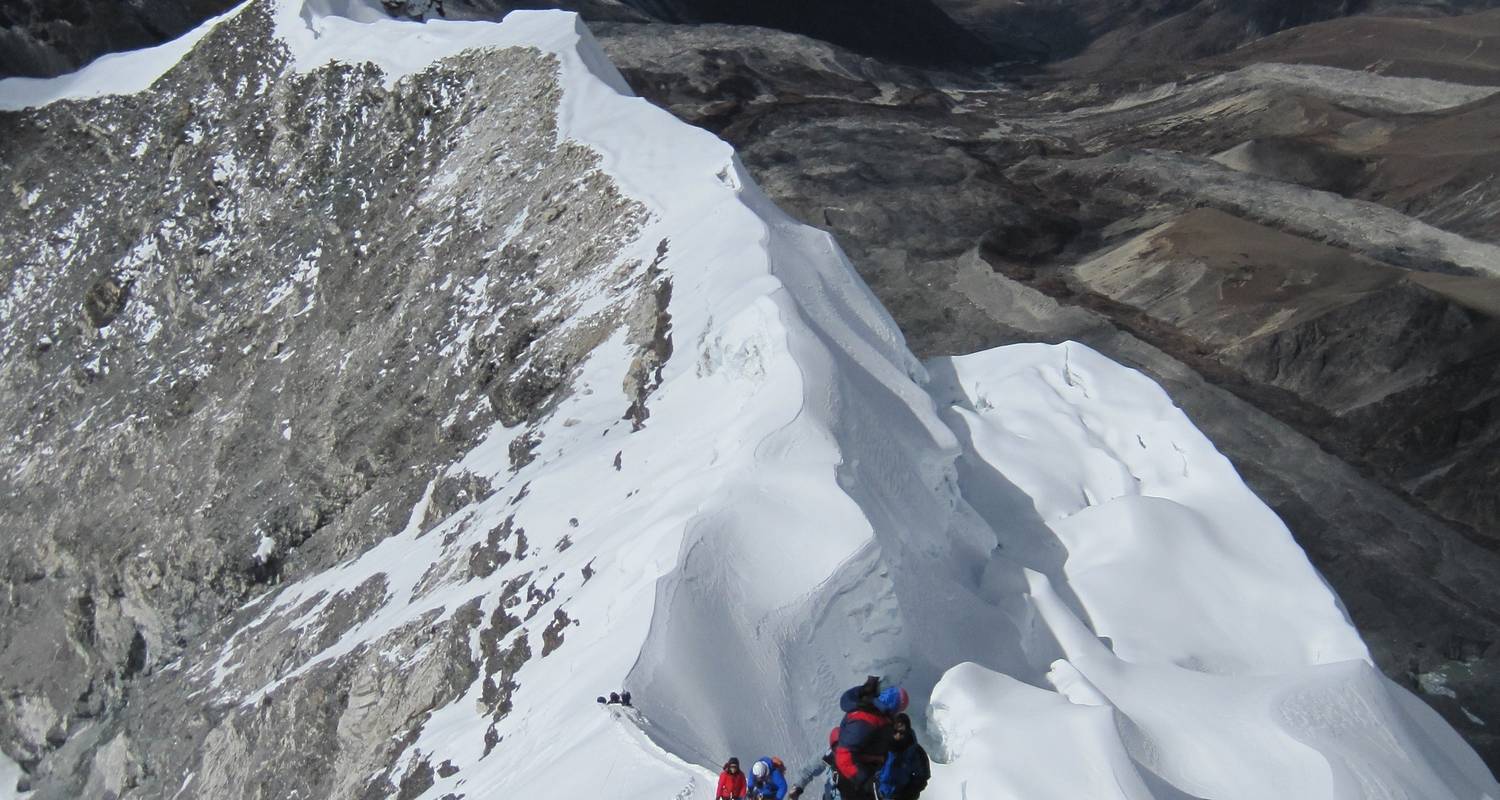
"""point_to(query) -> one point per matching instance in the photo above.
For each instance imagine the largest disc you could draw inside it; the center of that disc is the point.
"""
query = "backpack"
(777, 765)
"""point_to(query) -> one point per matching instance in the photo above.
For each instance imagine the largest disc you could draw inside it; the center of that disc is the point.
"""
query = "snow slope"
(115, 73)
(10, 774)
(1197, 647)
(1033, 536)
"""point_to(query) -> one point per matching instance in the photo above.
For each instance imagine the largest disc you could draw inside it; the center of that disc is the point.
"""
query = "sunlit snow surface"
(10, 773)
(1033, 536)
(1216, 660)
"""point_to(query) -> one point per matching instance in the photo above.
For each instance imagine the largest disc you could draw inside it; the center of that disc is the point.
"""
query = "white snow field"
(1032, 538)
(10, 773)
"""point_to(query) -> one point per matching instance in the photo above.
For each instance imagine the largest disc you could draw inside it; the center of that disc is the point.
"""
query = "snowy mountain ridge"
(742, 492)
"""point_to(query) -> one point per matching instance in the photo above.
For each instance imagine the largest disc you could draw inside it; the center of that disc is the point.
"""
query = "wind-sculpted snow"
(664, 438)
(1208, 651)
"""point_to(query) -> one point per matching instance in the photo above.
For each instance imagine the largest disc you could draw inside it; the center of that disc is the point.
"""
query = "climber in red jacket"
(865, 736)
(731, 782)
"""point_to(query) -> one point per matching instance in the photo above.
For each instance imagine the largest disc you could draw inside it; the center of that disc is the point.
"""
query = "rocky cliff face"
(249, 310)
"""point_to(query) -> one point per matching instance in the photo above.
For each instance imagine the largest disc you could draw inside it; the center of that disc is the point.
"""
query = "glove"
(795, 793)
(871, 686)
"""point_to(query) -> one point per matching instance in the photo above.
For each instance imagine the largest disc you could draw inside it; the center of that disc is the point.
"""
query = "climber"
(830, 791)
(767, 780)
(906, 769)
(865, 736)
(731, 782)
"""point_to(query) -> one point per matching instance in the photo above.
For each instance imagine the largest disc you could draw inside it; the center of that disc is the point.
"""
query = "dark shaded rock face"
(1138, 39)
(1234, 233)
(42, 38)
(910, 31)
(1100, 32)
(1082, 36)
(906, 31)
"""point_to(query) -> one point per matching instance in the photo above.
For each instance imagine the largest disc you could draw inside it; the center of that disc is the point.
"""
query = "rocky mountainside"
(1139, 38)
(243, 421)
(1080, 36)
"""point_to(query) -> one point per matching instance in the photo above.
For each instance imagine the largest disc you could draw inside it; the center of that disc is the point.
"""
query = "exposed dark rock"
(452, 492)
(416, 781)
(552, 635)
(105, 300)
(490, 555)
(645, 371)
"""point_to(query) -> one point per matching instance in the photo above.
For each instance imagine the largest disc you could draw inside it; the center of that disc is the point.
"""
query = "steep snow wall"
(737, 494)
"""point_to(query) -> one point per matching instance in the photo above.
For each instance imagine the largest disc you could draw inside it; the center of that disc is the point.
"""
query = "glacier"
(1079, 591)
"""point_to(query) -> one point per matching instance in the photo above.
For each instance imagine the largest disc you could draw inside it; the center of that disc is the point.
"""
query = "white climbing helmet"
(759, 770)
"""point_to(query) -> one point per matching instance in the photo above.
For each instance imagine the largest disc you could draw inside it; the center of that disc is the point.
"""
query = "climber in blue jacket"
(767, 780)
(906, 769)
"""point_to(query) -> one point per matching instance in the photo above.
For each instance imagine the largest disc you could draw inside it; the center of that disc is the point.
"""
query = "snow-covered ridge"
(115, 73)
(805, 503)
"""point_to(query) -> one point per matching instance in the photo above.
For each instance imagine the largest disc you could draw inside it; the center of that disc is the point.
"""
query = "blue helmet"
(891, 700)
